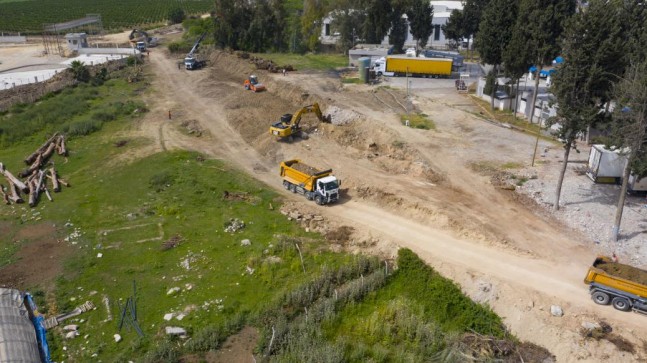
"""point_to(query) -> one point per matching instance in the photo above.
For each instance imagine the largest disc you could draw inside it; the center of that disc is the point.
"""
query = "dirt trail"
(421, 195)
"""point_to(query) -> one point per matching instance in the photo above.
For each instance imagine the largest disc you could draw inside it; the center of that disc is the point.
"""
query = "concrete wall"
(13, 39)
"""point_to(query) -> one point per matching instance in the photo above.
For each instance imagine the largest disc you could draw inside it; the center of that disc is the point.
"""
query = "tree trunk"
(13, 180)
(55, 185)
(558, 191)
(30, 159)
(494, 87)
(615, 231)
(15, 194)
(534, 95)
(532, 114)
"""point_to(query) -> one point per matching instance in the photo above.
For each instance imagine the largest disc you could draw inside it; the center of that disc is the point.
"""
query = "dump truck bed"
(618, 276)
(299, 173)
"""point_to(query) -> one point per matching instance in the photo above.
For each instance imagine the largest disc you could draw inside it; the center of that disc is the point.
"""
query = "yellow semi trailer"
(623, 286)
(397, 65)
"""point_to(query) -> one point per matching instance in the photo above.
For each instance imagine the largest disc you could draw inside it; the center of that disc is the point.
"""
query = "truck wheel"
(286, 185)
(621, 303)
(601, 298)
(319, 200)
(293, 188)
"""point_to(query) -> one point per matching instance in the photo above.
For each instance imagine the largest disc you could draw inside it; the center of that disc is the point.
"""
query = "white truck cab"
(380, 68)
(141, 46)
(328, 188)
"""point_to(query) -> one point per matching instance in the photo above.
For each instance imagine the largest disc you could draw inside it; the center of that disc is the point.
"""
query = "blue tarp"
(38, 321)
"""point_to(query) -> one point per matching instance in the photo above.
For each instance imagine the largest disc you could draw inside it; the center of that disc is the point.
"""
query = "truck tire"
(319, 200)
(601, 298)
(293, 188)
(286, 185)
(621, 303)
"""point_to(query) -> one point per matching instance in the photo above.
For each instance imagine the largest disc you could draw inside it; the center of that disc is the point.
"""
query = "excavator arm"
(285, 128)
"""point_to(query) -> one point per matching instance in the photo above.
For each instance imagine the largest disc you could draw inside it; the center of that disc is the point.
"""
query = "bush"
(161, 180)
(175, 16)
(179, 47)
(83, 128)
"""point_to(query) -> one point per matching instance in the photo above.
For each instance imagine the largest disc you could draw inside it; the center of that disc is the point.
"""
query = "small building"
(76, 41)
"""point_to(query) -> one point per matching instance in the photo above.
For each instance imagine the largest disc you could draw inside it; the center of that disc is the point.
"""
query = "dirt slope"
(404, 187)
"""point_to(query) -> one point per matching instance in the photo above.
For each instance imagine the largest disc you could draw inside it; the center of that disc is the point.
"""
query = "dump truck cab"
(141, 46)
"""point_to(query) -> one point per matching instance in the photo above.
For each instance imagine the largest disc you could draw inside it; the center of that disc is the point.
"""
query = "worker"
(284, 72)
(169, 114)
(179, 65)
(614, 258)
(148, 53)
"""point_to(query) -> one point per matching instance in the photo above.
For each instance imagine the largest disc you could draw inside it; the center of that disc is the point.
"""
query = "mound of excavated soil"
(625, 271)
(340, 116)
(306, 169)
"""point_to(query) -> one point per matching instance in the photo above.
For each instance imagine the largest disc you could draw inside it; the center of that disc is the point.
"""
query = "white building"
(442, 11)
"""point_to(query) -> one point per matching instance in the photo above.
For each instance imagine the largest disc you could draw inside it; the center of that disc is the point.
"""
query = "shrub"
(83, 128)
(161, 180)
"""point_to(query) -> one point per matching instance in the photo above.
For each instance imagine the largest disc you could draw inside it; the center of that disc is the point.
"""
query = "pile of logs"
(34, 177)
(265, 64)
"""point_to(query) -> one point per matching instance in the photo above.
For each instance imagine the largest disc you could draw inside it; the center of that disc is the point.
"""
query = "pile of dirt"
(306, 169)
(485, 348)
(339, 116)
(625, 271)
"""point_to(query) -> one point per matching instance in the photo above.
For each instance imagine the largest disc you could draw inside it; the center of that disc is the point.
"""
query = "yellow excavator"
(290, 123)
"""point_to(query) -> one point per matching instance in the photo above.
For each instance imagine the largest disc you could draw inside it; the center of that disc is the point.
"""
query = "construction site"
(461, 194)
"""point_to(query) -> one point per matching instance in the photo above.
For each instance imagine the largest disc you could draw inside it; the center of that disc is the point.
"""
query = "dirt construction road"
(403, 187)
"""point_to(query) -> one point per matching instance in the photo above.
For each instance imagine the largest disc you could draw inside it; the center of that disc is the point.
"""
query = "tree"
(453, 28)
(634, 28)
(313, 12)
(472, 13)
(80, 71)
(537, 31)
(420, 15)
(630, 128)
(494, 34)
(399, 26)
(378, 20)
(345, 23)
(175, 16)
(583, 83)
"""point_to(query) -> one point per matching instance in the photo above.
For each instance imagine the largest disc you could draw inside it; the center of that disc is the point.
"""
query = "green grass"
(307, 62)
(348, 80)
(29, 16)
(418, 121)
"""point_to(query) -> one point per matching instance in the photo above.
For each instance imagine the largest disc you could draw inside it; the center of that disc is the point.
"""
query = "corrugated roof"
(18, 342)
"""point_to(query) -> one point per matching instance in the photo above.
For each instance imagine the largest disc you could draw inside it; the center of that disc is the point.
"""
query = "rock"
(556, 310)
(99, 255)
(294, 215)
(590, 326)
(173, 291)
(71, 327)
(71, 335)
(249, 270)
(245, 242)
(174, 330)
(318, 218)
(169, 316)
(180, 316)
(188, 286)
(117, 338)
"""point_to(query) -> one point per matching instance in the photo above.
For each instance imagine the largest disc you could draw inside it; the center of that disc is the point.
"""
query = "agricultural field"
(174, 239)
(28, 16)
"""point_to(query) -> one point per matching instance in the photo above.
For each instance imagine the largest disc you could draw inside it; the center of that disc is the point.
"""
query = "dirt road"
(405, 187)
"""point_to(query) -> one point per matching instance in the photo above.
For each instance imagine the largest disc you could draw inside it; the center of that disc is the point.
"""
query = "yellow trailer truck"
(623, 286)
(396, 65)
(318, 185)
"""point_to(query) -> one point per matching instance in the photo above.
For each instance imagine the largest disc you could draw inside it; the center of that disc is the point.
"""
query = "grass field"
(316, 62)
(159, 223)
(28, 16)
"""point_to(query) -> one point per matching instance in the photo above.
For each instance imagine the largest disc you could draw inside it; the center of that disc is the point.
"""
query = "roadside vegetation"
(418, 121)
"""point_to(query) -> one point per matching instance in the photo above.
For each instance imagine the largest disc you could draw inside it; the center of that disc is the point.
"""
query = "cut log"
(15, 193)
(35, 166)
(49, 196)
(5, 196)
(48, 152)
(61, 147)
(30, 159)
(55, 185)
(15, 180)
(34, 189)
(64, 183)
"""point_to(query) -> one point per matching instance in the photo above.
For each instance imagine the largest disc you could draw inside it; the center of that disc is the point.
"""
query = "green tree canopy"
(175, 16)
(453, 28)
(420, 14)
